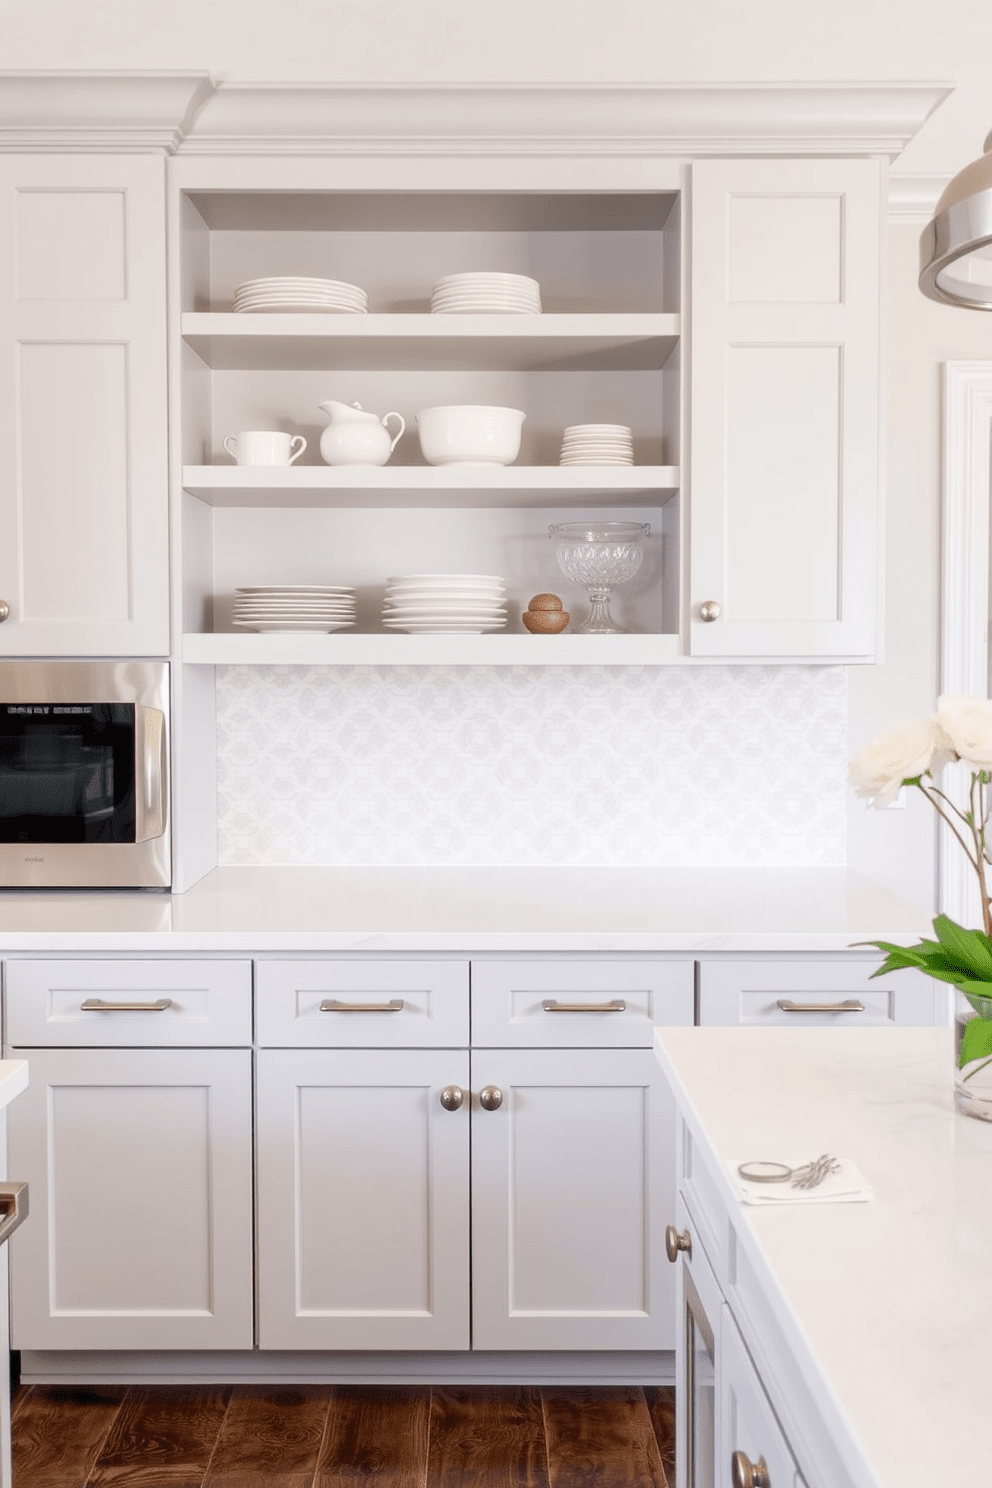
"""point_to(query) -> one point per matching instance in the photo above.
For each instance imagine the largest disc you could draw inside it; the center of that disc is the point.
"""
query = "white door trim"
(964, 660)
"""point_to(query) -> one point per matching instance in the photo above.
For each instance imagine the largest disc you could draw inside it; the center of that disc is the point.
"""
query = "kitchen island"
(868, 1323)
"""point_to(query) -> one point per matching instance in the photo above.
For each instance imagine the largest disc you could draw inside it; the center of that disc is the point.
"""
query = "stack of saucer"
(289, 296)
(597, 444)
(486, 294)
(295, 607)
(426, 603)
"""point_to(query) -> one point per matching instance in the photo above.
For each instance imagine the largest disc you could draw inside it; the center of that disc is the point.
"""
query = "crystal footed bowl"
(599, 555)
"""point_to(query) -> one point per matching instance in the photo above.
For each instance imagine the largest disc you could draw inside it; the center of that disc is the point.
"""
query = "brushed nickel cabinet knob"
(709, 609)
(451, 1097)
(747, 1474)
(491, 1098)
(674, 1242)
(4, 610)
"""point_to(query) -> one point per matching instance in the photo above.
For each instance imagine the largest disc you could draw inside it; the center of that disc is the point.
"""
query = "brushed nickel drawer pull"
(851, 1005)
(331, 1005)
(13, 1207)
(615, 1005)
(97, 1005)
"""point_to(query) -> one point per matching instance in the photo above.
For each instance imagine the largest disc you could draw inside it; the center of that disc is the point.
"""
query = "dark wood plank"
(489, 1438)
(271, 1435)
(163, 1437)
(599, 1437)
(60, 1431)
(375, 1434)
(661, 1404)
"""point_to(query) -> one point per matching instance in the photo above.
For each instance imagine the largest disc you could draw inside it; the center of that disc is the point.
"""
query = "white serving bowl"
(470, 434)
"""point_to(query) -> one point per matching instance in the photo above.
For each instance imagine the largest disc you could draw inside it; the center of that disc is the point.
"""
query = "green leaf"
(970, 949)
(976, 1041)
(928, 956)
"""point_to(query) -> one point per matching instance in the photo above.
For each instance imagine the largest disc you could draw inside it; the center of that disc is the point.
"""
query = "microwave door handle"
(151, 773)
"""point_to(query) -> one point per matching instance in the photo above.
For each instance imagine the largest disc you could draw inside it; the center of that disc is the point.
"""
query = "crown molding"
(562, 119)
(83, 111)
(188, 113)
(912, 199)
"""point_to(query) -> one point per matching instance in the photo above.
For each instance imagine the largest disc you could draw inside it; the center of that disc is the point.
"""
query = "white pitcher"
(354, 437)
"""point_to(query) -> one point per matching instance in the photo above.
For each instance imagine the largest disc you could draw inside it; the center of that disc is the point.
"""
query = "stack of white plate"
(295, 607)
(286, 296)
(597, 444)
(486, 294)
(439, 603)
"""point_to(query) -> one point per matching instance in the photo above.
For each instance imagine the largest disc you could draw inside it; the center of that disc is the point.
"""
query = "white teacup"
(264, 447)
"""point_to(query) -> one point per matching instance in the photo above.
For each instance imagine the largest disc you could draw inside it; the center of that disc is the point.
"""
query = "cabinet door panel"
(139, 1165)
(785, 406)
(363, 1200)
(571, 1179)
(84, 499)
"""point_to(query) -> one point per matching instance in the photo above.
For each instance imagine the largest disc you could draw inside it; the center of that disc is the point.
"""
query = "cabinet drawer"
(362, 1004)
(181, 1003)
(802, 994)
(578, 1004)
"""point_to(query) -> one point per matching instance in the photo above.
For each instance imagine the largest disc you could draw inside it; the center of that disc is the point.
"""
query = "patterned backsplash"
(666, 766)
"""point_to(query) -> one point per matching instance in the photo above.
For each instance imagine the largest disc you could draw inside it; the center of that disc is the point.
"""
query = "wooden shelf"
(471, 343)
(346, 648)
(427, 486)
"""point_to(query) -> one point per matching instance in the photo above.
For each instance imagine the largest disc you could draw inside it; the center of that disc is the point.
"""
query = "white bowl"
(470, 434)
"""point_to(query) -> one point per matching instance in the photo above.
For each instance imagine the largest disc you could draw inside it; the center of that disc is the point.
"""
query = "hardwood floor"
(341, 1436)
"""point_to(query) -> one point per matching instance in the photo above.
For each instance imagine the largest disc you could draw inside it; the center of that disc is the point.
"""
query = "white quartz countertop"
(13, 1079)
(889, 1302)
(471, 910)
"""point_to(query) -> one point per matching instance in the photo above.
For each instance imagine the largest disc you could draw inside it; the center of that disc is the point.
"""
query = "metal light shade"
(956, 246)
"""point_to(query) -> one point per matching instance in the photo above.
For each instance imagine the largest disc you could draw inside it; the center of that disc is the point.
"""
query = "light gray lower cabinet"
(137, 1148)
(480, 1194)
(446, 1155)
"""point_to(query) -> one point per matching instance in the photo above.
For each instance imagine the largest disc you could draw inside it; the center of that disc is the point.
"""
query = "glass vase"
(973, 1054)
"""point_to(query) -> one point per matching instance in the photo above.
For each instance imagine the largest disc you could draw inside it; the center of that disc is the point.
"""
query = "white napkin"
(847, 1186)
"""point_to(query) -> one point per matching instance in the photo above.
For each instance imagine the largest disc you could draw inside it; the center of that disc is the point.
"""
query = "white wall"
(896, 847)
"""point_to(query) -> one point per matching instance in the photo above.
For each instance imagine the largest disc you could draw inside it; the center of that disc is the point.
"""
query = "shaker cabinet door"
(784, 398)
(572, 1174)
(84, 531)
(139, 1166)
(362, 1199)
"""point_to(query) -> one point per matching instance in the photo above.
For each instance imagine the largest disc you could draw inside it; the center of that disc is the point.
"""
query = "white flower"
(880, 769)
(967, 722)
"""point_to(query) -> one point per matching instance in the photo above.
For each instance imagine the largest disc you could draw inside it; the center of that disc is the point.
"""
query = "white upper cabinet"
(84, 565)
(784, 399)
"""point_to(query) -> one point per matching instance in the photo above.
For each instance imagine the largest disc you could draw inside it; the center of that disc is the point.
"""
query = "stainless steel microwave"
(84, 774)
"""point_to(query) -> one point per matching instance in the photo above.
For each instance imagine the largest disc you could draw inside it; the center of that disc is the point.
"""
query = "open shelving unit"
(606, 348)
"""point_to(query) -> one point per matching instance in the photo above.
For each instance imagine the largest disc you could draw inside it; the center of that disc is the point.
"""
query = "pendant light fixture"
(956, 245)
